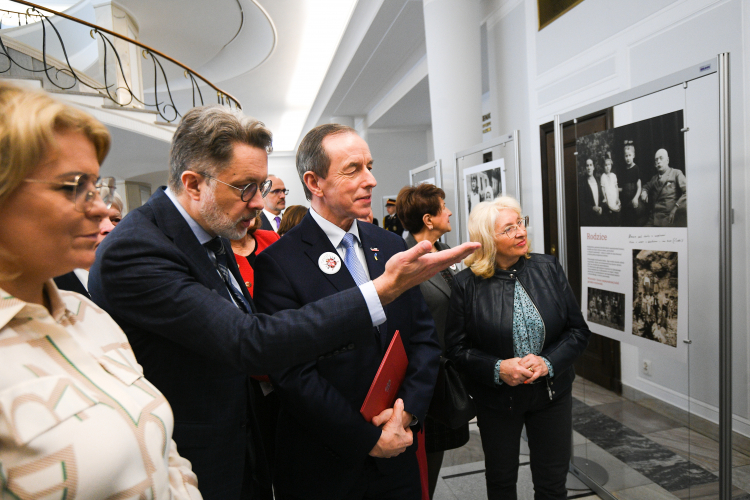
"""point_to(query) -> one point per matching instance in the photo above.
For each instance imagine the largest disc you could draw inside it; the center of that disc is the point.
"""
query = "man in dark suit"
(391, 221)
(189, 319)
(325, 448)
(275, 203)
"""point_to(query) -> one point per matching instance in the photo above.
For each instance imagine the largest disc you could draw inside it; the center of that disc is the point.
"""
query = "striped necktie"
(352, 261)
(222, 265)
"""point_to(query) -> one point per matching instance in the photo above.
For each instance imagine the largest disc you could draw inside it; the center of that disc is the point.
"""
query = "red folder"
(387, 381)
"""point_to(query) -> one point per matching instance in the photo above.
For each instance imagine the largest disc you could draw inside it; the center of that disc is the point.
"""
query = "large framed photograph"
(483, 182)
(634, 176)
(549, 10)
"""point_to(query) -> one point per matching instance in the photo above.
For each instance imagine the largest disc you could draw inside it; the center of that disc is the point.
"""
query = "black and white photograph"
(634, 175)
(483, 182)
(655, 298)
(606, 308)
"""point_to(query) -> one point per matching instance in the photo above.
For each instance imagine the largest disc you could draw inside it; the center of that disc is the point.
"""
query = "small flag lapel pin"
(376, 252)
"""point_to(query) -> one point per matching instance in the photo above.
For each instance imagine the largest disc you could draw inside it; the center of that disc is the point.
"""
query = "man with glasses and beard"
(167, 275)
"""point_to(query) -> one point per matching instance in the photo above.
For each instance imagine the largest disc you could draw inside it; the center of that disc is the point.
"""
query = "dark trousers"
(374, 484)
(548, 427)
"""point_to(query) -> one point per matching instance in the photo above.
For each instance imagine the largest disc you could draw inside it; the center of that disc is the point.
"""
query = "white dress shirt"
(335, 235)
(271, 216)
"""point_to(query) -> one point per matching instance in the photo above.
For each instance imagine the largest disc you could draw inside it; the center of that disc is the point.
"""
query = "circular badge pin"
(329, 263)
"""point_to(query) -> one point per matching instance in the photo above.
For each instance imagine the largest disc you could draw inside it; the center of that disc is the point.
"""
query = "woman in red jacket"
(245, 249)
(266, 405)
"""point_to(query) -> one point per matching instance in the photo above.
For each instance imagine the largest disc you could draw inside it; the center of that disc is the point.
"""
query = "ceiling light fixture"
(324, 25)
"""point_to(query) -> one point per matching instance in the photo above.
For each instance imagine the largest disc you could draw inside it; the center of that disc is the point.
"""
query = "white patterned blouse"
(78, 420)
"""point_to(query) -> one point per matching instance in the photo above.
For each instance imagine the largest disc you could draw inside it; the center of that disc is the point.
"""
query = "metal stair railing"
(164, 105)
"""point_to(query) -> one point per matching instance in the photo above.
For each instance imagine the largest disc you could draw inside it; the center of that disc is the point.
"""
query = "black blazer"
(323, 442)
(479, 331)
(156, 280)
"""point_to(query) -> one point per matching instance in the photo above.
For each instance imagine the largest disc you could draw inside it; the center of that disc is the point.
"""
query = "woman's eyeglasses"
(83, 189)
(511, 231)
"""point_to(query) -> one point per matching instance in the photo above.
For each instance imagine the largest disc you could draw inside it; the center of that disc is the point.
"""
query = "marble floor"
(462, 474)
(645, 454)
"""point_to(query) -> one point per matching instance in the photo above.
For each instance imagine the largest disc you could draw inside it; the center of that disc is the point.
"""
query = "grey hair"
(117, 202)
(312, 157)
(205, 139)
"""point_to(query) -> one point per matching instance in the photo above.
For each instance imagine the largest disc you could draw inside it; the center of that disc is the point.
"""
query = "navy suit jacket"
(156, 280)
(71, 283)
(322, 441)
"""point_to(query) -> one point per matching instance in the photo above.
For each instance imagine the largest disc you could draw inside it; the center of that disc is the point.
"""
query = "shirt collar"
(335, 234)
(198, 231)
(11, 306)
(271, 215)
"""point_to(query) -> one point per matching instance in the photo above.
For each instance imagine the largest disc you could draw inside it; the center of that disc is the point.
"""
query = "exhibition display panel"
(482, 173)
(654, 212)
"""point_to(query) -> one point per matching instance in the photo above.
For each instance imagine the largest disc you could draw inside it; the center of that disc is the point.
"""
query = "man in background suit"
(390, 221)
(274, 204)
(189, 319)
(325, 448)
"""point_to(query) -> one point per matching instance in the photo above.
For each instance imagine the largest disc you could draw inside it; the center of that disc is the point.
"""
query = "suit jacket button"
(321, 358)
(350, 346)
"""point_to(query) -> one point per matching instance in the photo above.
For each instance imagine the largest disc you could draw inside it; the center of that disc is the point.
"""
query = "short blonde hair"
(482, 222)
(29, 120)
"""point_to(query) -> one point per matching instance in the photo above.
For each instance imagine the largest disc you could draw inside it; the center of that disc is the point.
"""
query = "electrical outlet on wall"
(646, 367)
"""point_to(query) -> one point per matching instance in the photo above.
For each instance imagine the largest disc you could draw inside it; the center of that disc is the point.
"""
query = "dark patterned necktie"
(222, 265)
(448, 277)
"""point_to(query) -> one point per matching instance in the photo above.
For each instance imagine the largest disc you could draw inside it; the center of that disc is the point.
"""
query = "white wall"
(394, 153)
(282, 166)
(601, 48)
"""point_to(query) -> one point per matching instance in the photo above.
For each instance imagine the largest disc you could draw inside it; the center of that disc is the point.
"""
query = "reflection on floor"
(462, 475)
(646, 455)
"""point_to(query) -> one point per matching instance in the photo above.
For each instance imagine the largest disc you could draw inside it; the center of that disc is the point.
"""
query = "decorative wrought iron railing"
(115, 86)
(20, 18)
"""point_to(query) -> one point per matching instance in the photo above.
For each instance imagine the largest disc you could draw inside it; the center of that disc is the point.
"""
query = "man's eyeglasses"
(277, 192)
(511, 231)
(83, 189)
(247, 192)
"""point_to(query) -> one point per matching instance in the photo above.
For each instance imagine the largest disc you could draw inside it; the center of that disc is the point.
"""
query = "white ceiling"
(390, 44)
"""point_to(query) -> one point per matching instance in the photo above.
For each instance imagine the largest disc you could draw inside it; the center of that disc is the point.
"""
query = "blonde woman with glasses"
(514, 329)
(77, 418)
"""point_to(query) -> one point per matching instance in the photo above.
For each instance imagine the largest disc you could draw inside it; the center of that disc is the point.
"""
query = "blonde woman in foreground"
(77, 418)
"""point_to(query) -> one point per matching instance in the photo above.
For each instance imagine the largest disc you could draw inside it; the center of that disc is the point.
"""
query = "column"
(452, 32)
(114, 17)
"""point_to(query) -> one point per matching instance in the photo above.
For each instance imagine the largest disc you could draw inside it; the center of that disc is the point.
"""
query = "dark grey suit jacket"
(156, 280)
(436, 293)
